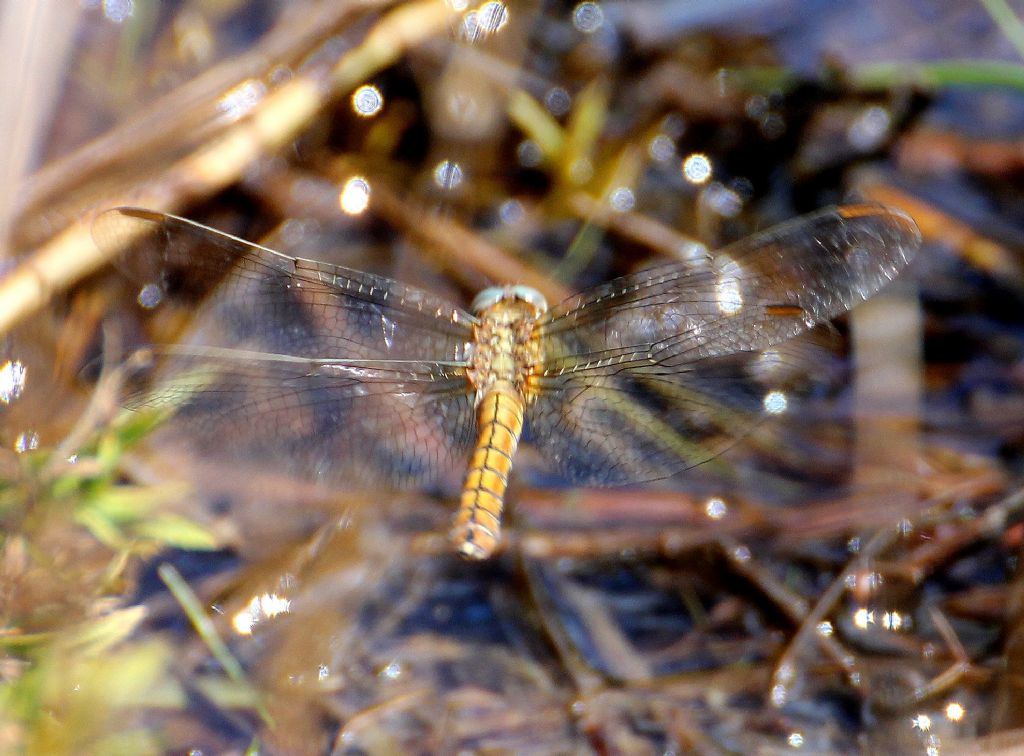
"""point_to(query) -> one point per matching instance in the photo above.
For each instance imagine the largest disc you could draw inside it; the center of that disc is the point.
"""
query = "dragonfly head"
(494, 294)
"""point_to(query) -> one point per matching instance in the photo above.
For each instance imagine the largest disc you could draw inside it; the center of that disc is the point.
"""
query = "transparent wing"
(663, 369)
(278, 304)
(317, 370)
(332, 421)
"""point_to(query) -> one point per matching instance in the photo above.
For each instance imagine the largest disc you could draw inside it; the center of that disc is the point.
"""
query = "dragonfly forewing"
(270, 302)
(663, 369)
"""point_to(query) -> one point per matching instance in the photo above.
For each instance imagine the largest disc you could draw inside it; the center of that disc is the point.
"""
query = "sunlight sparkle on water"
(557, 101)
(722, 200)
(695, 254)
(263, 606)
(239, 100)
(118, 11)
(367, 101)
(470, 28)
(775, 402)
(869, 129)
(493, 16)
(892, 621)
(622, 199)
(511, 212)
(528, 154)
(355, 195)
(26, 441)
(863, 617)
(661, 148)
(715, 508)
(588, 17)
(489, 19)
(12, 381)
(448, 174)
(955, 711)
(697, 168)
(149, 296)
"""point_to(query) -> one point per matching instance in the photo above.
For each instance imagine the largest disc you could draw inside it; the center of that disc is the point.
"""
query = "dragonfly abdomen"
(477, 529)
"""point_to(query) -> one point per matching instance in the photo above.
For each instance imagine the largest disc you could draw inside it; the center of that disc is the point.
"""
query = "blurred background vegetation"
(151, 604)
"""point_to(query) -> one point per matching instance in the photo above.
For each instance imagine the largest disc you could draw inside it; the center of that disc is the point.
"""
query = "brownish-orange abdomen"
(477, 528)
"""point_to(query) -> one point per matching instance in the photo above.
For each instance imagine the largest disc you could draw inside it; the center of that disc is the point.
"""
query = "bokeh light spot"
(12, 380)
(557, 101)
(716, 508)
(697, 168)
(775, 402)
(622, 199)
(448, 174)
(355, 195)
(588, 17)
(118, 11)
(239, 100)
(367, 101)
(955, 711)
(26, 441)
(150, 296)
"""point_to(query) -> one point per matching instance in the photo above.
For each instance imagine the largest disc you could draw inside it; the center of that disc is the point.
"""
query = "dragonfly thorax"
(506, 350)
(492, 295)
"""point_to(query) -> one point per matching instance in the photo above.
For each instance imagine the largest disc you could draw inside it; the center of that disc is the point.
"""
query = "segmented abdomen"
(477, 528)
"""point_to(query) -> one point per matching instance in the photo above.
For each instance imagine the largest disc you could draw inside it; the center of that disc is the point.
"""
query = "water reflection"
(355, 195)
(263, 606)
(118, 11)
(588, 17)
(367, 101)
(12, 380)
(238, 101)
(150, 296)
(697, 168)
(448, 174)
(775, 402)
(26, 441)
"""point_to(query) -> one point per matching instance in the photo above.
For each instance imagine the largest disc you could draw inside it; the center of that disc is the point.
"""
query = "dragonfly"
(350, 377)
